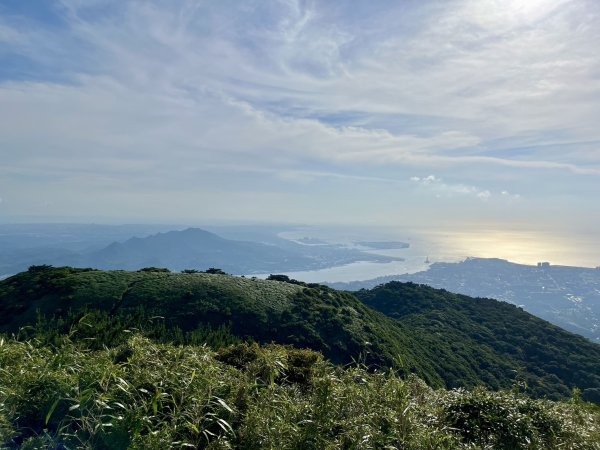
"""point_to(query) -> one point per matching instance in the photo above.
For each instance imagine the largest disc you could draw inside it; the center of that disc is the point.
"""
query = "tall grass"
(145, 395)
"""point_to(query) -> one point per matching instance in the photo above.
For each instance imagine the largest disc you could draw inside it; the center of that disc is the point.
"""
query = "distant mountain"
(194, 248)
(447, 339)
(26, 244)
(191, 248)
(565, 296)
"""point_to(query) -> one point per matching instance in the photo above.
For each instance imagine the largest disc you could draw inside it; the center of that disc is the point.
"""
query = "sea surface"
(453, 245)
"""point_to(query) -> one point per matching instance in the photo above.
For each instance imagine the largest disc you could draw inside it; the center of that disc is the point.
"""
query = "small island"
(383, 245)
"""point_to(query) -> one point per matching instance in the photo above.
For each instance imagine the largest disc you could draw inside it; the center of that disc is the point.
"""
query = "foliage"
(489, 341)
(162, 396)
(285, 279)
(315, 317)
(95, 329)
(500, 420)
(447, 340)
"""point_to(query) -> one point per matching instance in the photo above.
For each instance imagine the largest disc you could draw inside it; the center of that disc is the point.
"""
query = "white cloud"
(484, 195)
(502, 68)
(440, 189)
(189, 94)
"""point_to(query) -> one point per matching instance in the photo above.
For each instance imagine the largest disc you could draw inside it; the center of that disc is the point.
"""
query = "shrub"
(500, 420)
(145, 395)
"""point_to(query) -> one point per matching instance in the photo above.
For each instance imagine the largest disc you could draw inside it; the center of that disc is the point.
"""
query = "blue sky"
(458, 113)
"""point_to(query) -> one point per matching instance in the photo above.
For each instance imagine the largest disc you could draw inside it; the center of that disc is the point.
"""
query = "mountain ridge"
(190, 248)
(435, 334)
(563, 295)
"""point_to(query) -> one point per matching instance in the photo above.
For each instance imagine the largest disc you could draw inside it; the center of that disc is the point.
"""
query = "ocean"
(525, 246)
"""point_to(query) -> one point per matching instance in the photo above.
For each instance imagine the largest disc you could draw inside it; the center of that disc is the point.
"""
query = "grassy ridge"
(145, 395)
(317, 317)
(487, 339)
(447, 340)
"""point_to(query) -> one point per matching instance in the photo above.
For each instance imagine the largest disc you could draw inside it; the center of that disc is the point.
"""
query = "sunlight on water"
(519, 246)
(526, 247)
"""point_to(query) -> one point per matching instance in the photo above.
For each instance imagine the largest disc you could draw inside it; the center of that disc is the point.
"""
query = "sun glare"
(521, 246)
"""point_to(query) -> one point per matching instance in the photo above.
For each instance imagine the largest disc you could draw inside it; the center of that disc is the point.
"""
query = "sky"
(454, 113)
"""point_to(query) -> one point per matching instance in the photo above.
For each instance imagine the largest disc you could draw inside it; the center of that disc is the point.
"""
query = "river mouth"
(524, 246)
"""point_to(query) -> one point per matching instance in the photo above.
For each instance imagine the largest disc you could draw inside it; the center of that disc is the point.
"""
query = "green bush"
(145, 395)
(500, 420)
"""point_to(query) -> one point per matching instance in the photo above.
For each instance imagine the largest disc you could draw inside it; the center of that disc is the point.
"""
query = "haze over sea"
(422, 114)
(525, 246)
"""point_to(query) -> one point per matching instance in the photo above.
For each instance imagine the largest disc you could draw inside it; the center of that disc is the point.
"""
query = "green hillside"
(446, 339)
(317, 317)
(467, 334)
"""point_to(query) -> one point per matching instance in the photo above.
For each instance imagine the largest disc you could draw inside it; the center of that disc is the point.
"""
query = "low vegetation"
(155, 360)
(488, 340)
(447, 340)
(141, 394)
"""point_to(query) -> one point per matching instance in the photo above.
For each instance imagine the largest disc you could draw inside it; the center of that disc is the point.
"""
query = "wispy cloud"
(442, 189)
(155, 94)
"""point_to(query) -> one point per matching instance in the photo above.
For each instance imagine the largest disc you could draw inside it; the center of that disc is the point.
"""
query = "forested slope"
(468, 333)
(446, 339)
